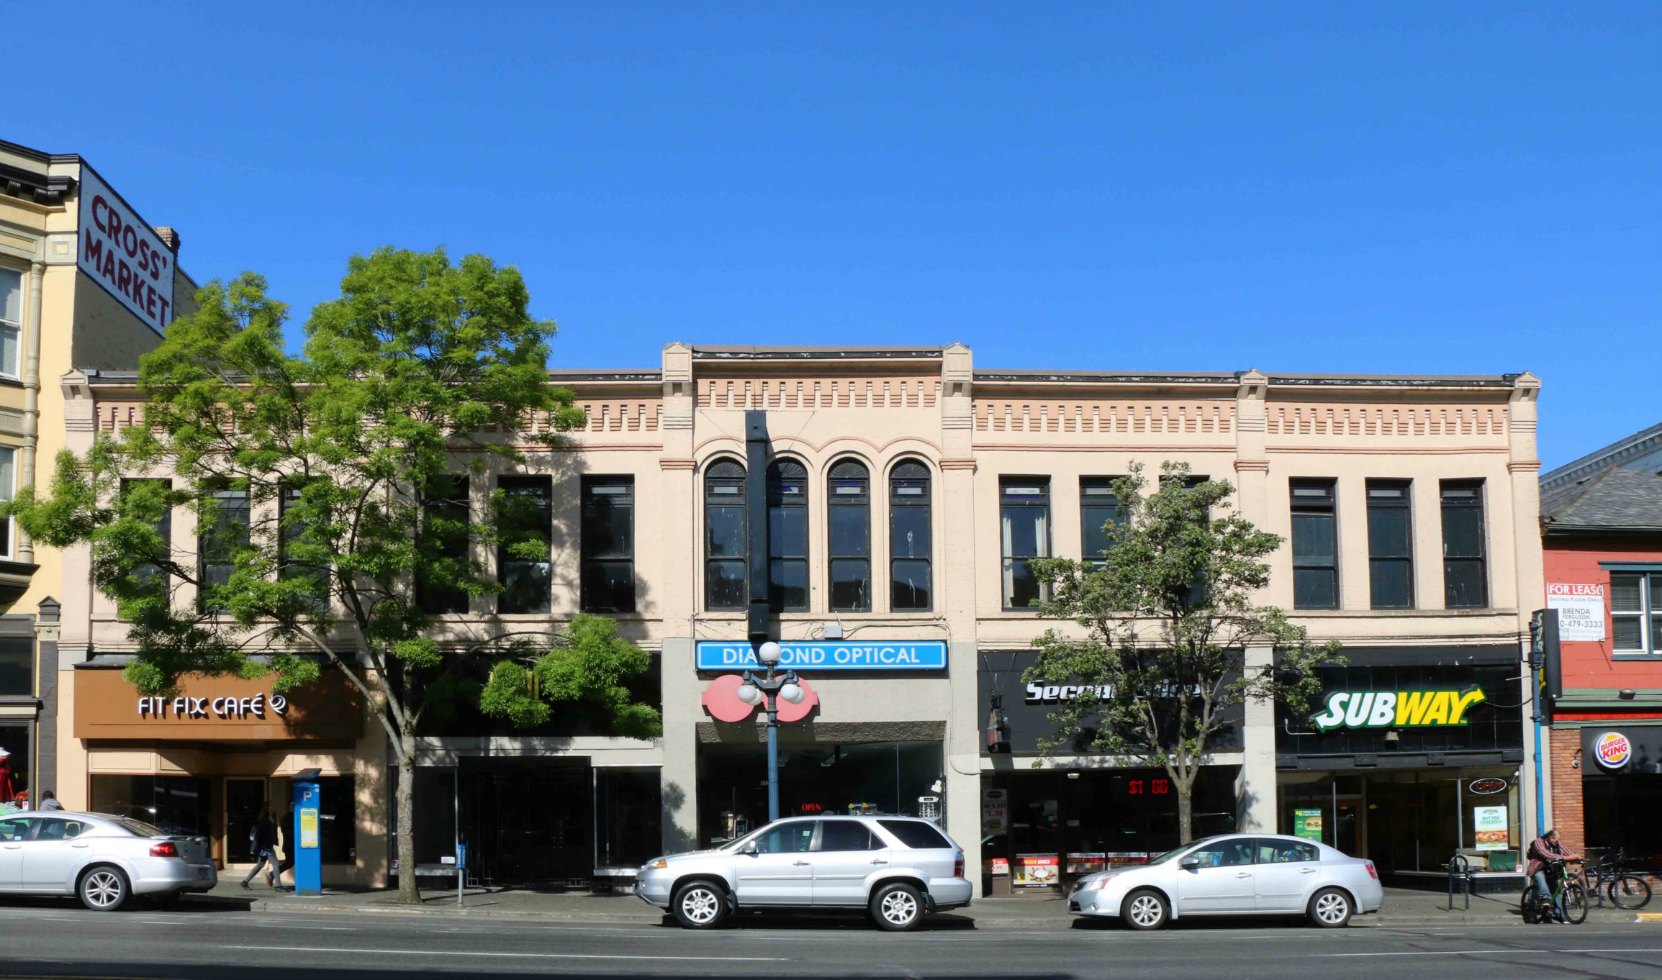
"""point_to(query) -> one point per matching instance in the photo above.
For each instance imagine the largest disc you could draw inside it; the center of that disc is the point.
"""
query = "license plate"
(202, 873)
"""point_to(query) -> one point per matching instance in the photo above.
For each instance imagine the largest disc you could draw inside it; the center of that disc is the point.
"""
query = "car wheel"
(1330, 908)
(700, 905)
(103, 888)
(897, 907)
(1146, 909)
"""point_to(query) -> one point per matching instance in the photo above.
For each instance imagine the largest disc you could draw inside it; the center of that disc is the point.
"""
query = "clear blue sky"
(1392, 188)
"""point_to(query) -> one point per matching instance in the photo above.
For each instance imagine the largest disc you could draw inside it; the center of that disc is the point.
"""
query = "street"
(61, 940)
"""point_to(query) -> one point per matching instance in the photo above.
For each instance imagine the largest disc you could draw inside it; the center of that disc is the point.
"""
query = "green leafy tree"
(1163, 620)
(354, 525)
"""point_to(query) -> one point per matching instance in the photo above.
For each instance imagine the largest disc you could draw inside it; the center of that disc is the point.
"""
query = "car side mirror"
(1189, 863)
(748, 847)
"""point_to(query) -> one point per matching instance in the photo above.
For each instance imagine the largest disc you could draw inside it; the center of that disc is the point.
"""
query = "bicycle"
(1565, 890)
(1611, 877)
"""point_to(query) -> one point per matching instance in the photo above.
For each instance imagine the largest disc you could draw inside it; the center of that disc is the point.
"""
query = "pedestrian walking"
(262, 842)
(288, 847)
(48, 801)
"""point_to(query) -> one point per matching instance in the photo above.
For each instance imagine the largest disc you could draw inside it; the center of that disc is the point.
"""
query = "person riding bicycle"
(1544, 852)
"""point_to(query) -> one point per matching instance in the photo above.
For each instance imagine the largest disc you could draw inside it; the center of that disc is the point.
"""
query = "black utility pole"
(756, 521)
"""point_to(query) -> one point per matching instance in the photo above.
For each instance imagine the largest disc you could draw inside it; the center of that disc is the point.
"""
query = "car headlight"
(1098, 885)
(657, 865)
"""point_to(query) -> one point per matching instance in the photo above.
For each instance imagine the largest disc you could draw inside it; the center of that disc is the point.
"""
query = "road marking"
(540, 956)
(1520, 951)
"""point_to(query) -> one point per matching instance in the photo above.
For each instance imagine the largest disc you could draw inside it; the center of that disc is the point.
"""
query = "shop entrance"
(244, 799)
(528, 820)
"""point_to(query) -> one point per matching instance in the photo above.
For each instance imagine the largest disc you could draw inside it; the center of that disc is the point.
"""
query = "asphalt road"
(61, 940)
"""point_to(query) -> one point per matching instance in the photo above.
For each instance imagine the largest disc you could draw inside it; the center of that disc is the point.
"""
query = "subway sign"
(818, 655)
(1397, 709)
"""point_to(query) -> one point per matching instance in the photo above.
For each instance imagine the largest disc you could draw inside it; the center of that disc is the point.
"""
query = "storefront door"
(528, 819)
(244, 799)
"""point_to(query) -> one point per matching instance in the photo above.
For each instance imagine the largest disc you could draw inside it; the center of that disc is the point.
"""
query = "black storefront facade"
(1408, 756)
(1621, 788)
(1076, 811)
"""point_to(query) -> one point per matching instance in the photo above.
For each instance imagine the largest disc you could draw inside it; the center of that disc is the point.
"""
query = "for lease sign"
(120, 252)
(1580, 610)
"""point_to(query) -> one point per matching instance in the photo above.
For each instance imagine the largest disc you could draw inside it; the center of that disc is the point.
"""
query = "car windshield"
(1174, 852)
(140, 828)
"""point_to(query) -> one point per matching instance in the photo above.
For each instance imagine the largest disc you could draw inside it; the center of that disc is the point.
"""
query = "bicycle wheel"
(1629, 892)
(1575, 904)
(1530, 905)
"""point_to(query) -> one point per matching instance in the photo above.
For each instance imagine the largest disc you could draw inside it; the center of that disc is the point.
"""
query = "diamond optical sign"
(824, 655)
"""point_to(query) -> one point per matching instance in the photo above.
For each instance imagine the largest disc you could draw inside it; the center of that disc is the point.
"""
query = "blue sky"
(1380, 188)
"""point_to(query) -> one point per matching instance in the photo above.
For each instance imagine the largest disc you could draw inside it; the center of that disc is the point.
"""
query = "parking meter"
(304, 836)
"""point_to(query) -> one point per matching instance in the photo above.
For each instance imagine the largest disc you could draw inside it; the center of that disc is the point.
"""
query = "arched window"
(911, 546)
(849, 507)
(724, 537)
(787, 536)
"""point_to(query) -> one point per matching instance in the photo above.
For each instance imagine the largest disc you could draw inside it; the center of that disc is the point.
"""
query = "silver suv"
(898, 869)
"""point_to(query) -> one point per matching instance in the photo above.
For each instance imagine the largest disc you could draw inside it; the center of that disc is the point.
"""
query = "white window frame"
(13, 328)
(1646, 615)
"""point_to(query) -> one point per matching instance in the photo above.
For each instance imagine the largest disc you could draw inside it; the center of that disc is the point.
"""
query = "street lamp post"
(771, 686)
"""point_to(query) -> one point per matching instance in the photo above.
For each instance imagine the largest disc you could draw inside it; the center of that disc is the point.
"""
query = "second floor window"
(1098, 508)
(1390, 545)
(725, 581)
(154, 575)
(525, 519)
(911, 543)
(1024, 530)
(1315, 545)
(1636, 613)
(787, 536)
(8, 489)
(11, 321)
(217, 547)
(17, 668)
(444, 547)
(608, 544)
(849, 509)
(293, 529)
(1465, 584)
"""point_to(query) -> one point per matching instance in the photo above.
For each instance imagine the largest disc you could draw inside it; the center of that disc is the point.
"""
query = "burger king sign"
(1613, 750)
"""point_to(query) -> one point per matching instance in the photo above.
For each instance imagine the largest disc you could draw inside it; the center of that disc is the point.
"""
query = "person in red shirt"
(1542, 850)
(6, 791)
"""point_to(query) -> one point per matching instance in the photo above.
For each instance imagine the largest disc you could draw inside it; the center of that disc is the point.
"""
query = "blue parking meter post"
(461, 871)
(304, 835)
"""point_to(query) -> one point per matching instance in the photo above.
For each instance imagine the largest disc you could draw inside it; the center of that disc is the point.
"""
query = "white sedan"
(1234, 874)
(102, 859)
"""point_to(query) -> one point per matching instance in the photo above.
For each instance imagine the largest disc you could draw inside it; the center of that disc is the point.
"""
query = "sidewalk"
(1407, 908)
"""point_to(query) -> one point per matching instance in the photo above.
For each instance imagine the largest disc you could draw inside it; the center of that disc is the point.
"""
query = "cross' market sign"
(1397, 709)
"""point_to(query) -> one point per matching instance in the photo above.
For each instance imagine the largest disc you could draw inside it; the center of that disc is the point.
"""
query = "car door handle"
(1306, 871)
(878, 861)
(799, 864)
(80, 845)
(14, 847)
(1243, 874)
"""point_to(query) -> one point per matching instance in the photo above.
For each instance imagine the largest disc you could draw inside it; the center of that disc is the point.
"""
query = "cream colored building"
(906, 488)
(56, 314)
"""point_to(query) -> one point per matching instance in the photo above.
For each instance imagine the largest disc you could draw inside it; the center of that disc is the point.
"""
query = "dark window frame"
(522, 523)
(1019, 496)
(724, 490)
(216, 550)
(787, 489)
(1647, 618)
(1385, 496)
(447, 502)
(911, 491)
(615, 496)
(1461, 497)
(848, 505)
(290, 530)
(1314, 501)
(1098, 507)
(151, 572)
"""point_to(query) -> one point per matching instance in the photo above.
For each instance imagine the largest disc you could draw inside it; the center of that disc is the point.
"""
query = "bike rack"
(1460, 867)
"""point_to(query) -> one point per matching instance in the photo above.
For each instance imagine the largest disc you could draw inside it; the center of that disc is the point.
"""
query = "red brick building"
(1601, 520)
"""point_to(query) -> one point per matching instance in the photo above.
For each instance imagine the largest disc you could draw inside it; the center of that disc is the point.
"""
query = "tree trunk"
(1185, 812)
(409, 891)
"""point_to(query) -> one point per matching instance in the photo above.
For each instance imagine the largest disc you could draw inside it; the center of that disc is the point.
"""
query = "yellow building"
(84, 283)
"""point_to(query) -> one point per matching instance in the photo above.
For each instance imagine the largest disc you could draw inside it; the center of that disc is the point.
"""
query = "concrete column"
(46, 674)
(1255, 787)
(674, 582)
(1524, 473)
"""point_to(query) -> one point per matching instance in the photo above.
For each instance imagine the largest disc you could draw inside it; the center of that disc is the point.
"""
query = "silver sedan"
(104, 860)
(1234, 874)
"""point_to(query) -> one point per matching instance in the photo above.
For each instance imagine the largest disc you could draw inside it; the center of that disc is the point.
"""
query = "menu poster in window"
(1580, 610)
(1036, 870)
(1492, 827)
(1086, 862)
(995, 812)
(1308, 824)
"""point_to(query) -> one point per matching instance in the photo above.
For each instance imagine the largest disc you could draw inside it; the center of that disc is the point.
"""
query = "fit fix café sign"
(220, 707)
(120, 252)
(816, 655)
(213, 709)
(1397, 709)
